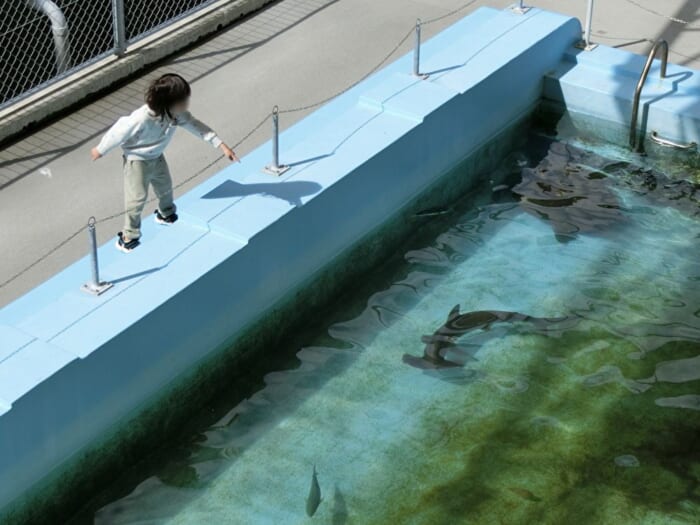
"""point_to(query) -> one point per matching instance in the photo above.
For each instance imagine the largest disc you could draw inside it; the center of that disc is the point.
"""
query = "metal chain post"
(586, 44)
(94, 286)
(520, 8)
(275, 168)
(416, 53)
(589, 16)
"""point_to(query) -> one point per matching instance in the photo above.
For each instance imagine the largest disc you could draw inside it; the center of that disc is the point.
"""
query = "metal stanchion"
(520, 8)
(586, 44)
(416, 53)
(275, 168)
(94, 286)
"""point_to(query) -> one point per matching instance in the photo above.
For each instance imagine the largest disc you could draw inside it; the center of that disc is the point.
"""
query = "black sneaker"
(125, 247)
(165, 220)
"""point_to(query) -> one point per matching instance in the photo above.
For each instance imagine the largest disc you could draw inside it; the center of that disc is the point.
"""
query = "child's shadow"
(291, 191)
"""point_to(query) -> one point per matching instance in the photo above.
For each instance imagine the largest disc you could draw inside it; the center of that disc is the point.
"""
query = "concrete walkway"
(292, 54)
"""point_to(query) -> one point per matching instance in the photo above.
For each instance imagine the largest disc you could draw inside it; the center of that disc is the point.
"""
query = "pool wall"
(601, 84)
(80, 376)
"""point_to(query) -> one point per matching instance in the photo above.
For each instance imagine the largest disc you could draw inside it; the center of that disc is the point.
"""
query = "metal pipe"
(655, 137)
(119, 27)
(93, 251)
(59, 28)
(94, 286)
(589, 18)
(275, 138)
(520, 8)
(275, 168)
(416, 51)
(640, 84)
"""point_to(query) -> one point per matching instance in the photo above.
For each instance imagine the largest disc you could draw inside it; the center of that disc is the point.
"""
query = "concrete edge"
(104, 73)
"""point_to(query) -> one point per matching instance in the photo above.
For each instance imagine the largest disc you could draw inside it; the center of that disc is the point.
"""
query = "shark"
(457, 324)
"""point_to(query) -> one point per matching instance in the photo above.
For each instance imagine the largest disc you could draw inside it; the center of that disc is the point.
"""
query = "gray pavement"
(293, 53)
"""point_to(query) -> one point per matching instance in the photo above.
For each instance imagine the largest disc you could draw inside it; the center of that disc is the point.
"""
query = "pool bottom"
(595, 424)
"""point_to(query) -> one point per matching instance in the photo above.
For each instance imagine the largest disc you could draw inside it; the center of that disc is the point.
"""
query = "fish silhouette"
(445, 338)
(570, 197)
(314, 498)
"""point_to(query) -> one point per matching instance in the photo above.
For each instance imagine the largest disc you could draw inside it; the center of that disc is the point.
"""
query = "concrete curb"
(101, 75)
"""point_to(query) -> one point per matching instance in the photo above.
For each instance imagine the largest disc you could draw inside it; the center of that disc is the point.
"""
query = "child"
(143, 136)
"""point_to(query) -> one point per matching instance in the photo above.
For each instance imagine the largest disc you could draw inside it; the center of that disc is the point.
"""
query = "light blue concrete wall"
(73, 366)
(601, 83)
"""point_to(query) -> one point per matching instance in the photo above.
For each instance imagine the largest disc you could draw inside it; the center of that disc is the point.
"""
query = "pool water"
(594, 421)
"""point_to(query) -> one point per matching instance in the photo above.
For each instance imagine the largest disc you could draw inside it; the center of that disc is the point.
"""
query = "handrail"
(638, 91)
(655, 137)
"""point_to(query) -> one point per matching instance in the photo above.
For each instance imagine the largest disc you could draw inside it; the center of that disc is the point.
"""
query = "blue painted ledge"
(73, 366)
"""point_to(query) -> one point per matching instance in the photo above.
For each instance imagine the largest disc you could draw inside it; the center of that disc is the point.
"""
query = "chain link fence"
(42, 41)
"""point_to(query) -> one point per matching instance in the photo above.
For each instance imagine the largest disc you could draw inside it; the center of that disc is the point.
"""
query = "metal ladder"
(638, 146)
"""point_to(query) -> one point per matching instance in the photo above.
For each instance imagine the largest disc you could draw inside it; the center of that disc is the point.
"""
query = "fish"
(432, 212)
(627, 461)
(457, 324)
(525, 494)
(314, 498)
(573, 199)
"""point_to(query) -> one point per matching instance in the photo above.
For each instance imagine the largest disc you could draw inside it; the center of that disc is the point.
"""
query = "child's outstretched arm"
(122, 129)
(204, 132)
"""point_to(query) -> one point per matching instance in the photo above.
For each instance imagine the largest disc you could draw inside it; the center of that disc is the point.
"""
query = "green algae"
(547, 454)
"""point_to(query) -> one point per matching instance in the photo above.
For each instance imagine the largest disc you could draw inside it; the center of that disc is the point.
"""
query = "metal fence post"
(119, 27)
(586, 44)
(416, 53)
(94, 286)
(275, 168)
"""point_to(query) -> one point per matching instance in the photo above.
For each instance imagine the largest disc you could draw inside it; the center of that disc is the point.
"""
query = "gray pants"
(138, 174)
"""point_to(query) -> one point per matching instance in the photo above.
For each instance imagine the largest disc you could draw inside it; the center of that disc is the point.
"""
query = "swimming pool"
(593, 420)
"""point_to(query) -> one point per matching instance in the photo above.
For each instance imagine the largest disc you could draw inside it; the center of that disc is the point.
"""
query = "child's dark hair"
(165, 91)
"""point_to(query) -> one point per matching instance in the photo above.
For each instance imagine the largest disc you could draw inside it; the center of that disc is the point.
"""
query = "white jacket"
(143, 135)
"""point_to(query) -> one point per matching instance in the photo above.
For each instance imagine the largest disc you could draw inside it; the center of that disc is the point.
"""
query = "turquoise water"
(594, 421)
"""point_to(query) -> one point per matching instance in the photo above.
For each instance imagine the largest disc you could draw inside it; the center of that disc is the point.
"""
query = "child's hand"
(229, 153)
(95, 154)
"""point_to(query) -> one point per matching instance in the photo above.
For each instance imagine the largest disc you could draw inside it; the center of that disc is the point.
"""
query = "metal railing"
(42, 41)
(658, 45)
